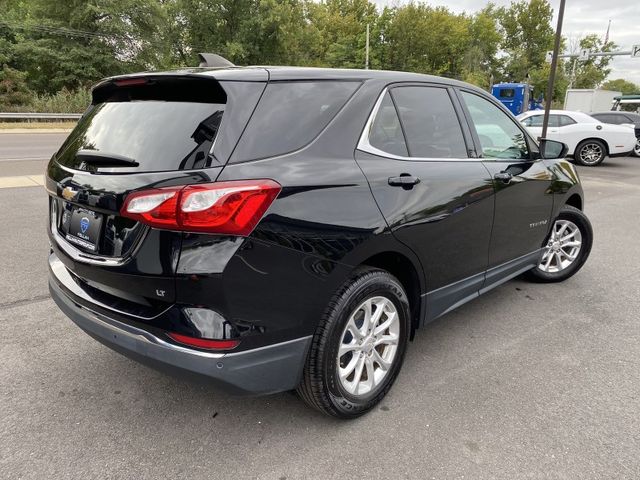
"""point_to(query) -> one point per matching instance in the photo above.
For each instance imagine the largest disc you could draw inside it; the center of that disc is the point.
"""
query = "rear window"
(290, 115)
(158, 128)
(507, 93)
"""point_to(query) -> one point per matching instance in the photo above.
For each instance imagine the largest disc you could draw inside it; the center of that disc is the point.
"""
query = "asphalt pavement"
(528, 381)
(27, 153)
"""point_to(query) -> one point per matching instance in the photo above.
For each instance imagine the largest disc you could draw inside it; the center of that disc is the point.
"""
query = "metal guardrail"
(40, 116)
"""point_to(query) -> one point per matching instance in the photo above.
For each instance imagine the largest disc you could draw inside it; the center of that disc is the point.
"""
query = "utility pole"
(554, 65)
(366, 59)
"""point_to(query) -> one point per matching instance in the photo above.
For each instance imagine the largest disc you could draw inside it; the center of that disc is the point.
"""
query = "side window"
(430, 123)
(386, 132)
(554, 121)
(533, 121)
(290, 115)
(565, 120)
(500, 137)
(620, 119)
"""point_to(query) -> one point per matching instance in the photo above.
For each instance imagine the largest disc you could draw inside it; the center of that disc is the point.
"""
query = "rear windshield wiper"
(102, 159)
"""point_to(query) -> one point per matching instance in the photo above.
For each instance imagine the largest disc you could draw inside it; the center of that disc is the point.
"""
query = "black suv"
(622, 118)
(291, 228)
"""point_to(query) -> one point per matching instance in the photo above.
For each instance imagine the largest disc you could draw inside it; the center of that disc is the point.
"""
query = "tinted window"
(290, 115)
(564, 120)
(533, 121)
(614, 118)
(386, 132)
(554, 121)
(430, 122)
(158, 135)
(507, 93)
(620, 119)
(603, 117)
(499, 135)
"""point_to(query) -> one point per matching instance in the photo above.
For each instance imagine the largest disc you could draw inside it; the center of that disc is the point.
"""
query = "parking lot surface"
(528, 381)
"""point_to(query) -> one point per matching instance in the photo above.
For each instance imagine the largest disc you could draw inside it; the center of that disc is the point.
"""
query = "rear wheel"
(358, 348)
(567, 247)
(636, 149)
(590, 153)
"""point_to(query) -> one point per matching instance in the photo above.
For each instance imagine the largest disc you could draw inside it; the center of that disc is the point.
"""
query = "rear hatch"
(140, 133)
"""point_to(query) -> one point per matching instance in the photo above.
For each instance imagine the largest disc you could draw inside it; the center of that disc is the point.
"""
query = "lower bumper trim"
(269, 369)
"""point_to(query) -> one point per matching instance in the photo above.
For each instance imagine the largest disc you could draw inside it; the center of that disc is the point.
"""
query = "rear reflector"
(204, 343)
(232, 208)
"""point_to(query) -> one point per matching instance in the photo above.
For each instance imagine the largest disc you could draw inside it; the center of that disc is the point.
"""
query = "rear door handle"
(505, 177)
(405, 180)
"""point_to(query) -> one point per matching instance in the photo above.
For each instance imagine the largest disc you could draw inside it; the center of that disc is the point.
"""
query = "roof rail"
(213, 60)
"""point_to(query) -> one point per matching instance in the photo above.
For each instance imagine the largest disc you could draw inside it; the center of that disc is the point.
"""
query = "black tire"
(636, 150)
(578, 218)
(584, 147)
(321, 387)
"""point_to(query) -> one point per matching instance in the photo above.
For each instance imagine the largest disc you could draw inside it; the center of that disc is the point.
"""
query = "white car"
(588, 139)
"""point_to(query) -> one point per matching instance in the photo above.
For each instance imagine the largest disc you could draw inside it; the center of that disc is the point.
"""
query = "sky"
(581, 17)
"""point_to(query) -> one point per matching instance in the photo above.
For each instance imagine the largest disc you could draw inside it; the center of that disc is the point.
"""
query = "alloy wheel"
(636, 149)
(562, 248)
(368, 345)
(591, 153)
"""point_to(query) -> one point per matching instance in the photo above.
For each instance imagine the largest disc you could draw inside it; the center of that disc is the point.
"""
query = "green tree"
(340, 30)
(421, 38)
(480, 63)
(620, 85)
(76, 42)
(13, 89)
(592, 72)
(528, 35)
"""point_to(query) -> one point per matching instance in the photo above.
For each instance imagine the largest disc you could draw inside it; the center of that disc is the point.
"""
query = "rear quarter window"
(290, 115)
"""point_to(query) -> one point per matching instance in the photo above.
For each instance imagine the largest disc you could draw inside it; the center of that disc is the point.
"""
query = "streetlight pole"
(554, 65)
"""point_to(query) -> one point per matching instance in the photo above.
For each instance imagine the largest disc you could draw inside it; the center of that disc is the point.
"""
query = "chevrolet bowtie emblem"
(69, 193)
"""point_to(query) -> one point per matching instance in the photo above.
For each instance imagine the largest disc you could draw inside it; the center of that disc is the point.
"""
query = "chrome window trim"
(365, 146)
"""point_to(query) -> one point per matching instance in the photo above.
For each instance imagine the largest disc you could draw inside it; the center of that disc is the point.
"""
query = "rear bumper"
(264, 370)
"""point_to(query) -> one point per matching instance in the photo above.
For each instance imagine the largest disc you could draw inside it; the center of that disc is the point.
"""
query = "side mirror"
(552, 149)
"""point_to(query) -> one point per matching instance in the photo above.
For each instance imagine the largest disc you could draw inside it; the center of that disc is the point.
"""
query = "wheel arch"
(606, 144)
(575, 200)
(409, 274)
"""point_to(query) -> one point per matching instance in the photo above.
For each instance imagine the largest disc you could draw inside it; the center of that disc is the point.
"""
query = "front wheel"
(359, 346)
(567, 247)
(590, 153)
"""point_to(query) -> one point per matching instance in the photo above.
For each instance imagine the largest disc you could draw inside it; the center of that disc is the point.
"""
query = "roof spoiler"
(213, 60)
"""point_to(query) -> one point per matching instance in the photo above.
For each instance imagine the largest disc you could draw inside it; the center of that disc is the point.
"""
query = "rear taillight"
(204, 343)
(232, 208)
